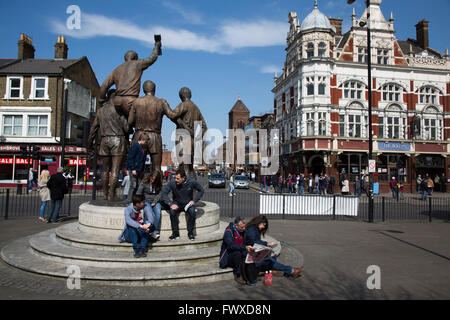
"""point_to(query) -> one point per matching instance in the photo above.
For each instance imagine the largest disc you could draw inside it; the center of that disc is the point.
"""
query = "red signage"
(18, 161)
(75, 162)
(45, 149)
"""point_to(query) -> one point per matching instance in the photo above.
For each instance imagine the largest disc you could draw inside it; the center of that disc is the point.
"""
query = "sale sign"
(75, 162)
(18, 161)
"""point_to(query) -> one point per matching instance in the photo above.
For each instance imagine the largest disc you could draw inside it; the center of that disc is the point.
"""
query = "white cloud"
(270, 69)
(189, 16)
(230, 36)
(261, 33)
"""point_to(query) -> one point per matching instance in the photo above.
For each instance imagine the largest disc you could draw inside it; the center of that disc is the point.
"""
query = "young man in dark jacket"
(135, 163)
(182, 189)
(233, 251)
(58, 187)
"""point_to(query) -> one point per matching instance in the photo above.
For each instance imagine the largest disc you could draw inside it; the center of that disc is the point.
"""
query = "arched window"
(322, 49)
(353, 90)
(354, 122)
(392, 123)
(310, 50)
(432, 124)
(322, 87)
(429, 94)
(392, 92)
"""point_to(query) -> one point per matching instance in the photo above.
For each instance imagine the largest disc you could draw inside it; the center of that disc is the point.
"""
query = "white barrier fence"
(308, 205)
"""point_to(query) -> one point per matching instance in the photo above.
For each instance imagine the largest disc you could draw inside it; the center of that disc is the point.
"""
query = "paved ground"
(413, 259)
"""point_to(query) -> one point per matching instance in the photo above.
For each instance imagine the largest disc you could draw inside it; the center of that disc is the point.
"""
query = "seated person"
(233, 251)
(138, 225)
(182, 189)
(150, 187)
(253, 230)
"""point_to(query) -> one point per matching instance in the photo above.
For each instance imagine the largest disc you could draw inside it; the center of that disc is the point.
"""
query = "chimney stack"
(337, 23)
(61, 48)
(25, 46)
(422, 34)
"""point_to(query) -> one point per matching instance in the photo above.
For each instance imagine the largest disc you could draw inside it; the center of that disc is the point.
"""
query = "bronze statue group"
(122, 111)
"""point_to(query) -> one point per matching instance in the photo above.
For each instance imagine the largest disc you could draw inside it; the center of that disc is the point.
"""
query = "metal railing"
(14, 204)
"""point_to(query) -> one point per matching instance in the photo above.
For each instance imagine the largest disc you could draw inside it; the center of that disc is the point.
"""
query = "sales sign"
(75, 162)
(18, 161)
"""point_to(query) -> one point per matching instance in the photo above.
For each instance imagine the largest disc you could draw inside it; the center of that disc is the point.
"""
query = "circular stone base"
(110, 221)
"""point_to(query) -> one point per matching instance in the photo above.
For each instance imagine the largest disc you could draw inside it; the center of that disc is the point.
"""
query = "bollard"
(19, 188)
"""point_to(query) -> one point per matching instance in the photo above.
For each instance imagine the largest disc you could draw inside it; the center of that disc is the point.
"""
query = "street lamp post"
(369, 83)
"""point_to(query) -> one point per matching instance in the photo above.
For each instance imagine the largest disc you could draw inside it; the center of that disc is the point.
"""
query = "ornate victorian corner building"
(321, 100)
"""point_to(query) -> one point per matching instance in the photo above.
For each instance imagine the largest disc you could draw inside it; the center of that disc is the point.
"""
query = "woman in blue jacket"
(253, 230)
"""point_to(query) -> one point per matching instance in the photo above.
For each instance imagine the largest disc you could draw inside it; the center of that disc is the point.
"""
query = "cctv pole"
(64, 128)
(369, 76)
(369, 87)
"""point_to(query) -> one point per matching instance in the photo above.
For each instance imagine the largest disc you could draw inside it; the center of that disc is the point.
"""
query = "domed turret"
(316, 19)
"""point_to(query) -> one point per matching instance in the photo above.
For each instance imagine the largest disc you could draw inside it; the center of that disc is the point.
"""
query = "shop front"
(14, 167)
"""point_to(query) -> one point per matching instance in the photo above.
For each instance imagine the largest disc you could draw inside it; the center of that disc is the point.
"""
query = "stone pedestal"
(91, 245)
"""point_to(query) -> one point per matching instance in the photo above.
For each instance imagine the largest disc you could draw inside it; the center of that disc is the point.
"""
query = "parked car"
(217, 180)
(240, 182)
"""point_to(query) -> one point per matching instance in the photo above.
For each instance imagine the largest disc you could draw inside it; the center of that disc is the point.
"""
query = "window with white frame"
(310, 124)
(322, 87)
(39, 88)
(391, 92)
(322, 51)
(381, 127)
(382, 56)
(310, 89)
(342, 125)
(322, 120)
(14, 88)
(395, 122)
(432, 124)
(354, 125)
(310, 50)
(362, 54)
(428, 95)
(353, 90)
(37, 125)
(12, 125)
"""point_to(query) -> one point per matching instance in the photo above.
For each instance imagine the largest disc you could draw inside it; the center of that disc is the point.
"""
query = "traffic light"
(35, 152)
(84, 134)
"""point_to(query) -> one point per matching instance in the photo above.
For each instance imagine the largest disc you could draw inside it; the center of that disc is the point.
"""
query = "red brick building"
(39, 98)
(321, 100)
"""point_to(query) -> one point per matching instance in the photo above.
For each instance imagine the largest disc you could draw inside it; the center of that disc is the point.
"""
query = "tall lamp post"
(369, 83)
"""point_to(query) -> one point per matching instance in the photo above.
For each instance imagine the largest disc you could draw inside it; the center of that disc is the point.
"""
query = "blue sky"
(219, 49)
